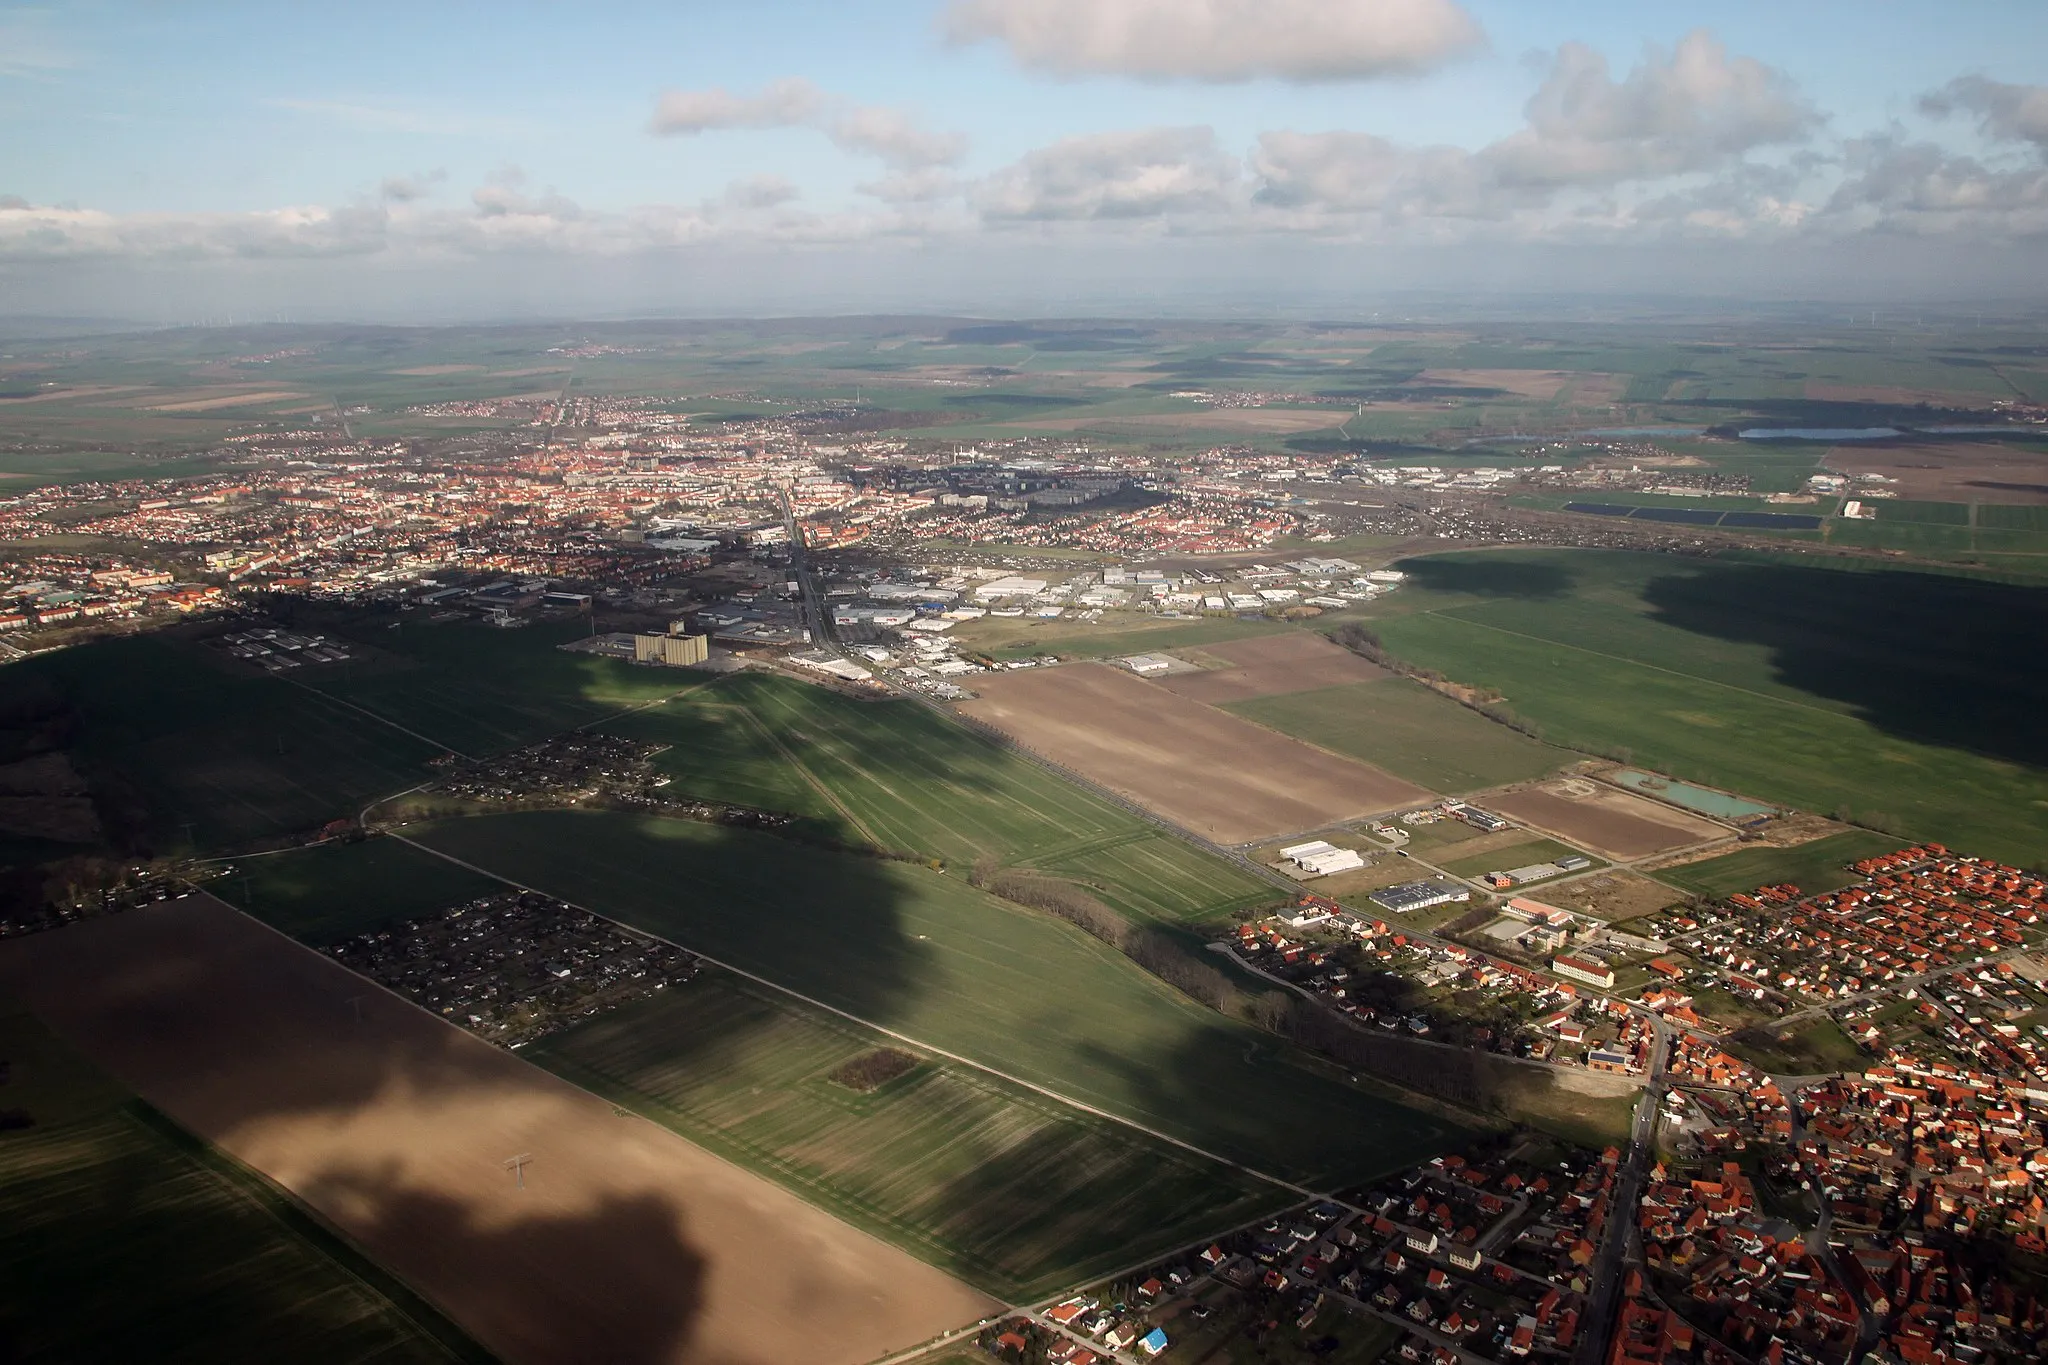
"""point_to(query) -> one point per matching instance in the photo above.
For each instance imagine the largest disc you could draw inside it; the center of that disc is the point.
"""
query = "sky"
(186, 159)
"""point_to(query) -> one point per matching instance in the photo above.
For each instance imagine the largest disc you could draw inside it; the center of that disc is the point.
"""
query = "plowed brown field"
(626, 1244)
(1611, 823)
(1206, 770)
(1299, 661)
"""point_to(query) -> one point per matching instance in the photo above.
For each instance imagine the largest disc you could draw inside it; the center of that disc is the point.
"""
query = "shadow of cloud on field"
(165, 1000)
(1952, 661)
(702, 887)
(667, 1272)
(1490, 576)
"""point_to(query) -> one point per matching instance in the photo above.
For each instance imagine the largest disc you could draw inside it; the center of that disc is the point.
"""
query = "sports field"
(196, 751)
(1818, 866)
(903, 777)
(620, 1242)
(1907, 699)
(1012, 1191)
(1410, 731)
(1204, 769)
(122, 1238)
(922, 953)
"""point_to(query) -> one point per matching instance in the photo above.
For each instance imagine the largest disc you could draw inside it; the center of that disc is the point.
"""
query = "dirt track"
(1611, 823)
(1205, 769)
(627, 1244)
(1270, 665)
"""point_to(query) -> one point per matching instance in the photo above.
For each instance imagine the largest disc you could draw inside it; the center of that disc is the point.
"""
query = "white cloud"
(1137, 174)
(501, 218)
(1695, 110)
(2012, 113)
(895, 137)
(870, 130)
(1916, 187)
(1220, 40)
(1362, 173)
(504, 196)
(758, 192)
(783, 104)
(404, 189)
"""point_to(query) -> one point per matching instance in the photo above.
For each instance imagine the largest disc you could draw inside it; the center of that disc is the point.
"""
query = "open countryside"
(395, 1127)
(920, 953)
(1166, 753)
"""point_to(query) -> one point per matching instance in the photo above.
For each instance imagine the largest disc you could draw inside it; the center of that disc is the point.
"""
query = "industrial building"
(673, 651)
(1418, 896)
(1322, 858)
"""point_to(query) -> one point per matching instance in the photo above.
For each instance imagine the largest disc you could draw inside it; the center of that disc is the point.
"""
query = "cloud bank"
(1220, 40)
(873, 130)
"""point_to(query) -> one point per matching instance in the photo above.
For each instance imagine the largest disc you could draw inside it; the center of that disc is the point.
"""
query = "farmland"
(1298, 661)
(1615, 823)
(480, 691)
(192, 751)
(1409, 731)
(904, 778)
(122, 1238)
(1118, 633)
(1812, 867)
(1211, 772)
(1903, 698)
(620, 1242)
(919, 952)
(1010, 1190)
(323, 895)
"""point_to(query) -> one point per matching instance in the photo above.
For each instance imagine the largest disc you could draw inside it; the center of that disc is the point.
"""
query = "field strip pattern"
(909, 779)
(1005, 1188)
(1278, 1181)
(623, 1243)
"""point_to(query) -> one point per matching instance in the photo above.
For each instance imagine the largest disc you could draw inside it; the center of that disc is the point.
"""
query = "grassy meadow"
(1904, 699)
(1821, 865)
(1410, 731)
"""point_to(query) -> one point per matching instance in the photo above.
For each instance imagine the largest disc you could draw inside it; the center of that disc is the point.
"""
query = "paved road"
(1618, 1243)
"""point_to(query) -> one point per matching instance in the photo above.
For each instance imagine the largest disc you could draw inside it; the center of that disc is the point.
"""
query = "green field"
(1118, 632)
(1907, 699)
(905, 778)
(480, 691)
(124, 1239)
(1817, 1048)
(919, 952)
(1929, 513)
(1818, 866)
(1013, 1192)
(335, 891)
(179, 742)
(1410, 731)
